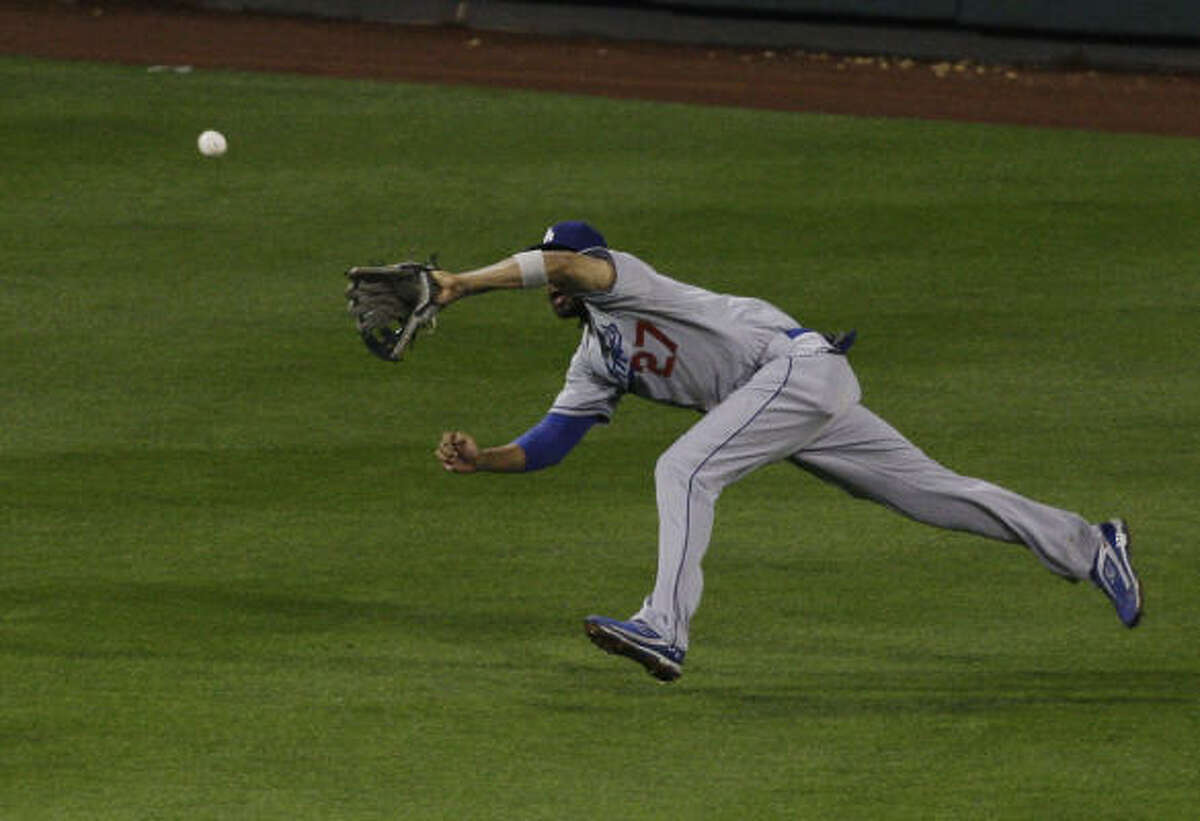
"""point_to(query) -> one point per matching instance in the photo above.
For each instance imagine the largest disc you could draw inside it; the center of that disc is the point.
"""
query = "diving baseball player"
(769, 389)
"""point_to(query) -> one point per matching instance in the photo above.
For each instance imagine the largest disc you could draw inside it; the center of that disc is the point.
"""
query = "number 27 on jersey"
(648, 335)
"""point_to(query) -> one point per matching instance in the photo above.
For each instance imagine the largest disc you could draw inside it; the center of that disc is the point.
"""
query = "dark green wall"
(1134, 18)
(944, 10)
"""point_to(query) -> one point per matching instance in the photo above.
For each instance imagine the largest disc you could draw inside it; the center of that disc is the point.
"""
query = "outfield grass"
(235, 584)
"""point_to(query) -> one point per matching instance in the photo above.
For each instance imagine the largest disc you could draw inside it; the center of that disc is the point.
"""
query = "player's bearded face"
(563, 305)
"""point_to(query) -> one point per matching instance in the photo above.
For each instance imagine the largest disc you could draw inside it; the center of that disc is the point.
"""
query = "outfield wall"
(1125, 34)
(1172, 19)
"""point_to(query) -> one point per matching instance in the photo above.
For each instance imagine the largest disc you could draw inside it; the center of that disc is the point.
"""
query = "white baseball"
(212, 143)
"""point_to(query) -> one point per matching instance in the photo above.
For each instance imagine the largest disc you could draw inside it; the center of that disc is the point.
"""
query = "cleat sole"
(661, 668)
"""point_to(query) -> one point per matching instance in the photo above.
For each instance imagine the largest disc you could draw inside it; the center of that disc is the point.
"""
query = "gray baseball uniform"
(769, 390)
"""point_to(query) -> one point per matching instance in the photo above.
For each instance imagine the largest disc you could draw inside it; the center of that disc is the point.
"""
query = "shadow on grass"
(946, 691)
(163, 620)
(218, 623)
(949, 691)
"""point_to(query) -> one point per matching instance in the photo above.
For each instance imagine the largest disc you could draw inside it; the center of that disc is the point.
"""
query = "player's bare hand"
(458, 452)
(450, 289)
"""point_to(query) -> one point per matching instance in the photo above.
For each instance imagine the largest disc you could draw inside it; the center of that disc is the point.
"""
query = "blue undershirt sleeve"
(547, 442)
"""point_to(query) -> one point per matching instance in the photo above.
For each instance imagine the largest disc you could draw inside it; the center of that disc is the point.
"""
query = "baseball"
(211, 143)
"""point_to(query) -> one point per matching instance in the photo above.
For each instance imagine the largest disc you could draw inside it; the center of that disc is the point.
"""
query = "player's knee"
(673, 467)
(688, 473)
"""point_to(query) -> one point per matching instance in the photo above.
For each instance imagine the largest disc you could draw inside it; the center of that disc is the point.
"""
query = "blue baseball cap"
(572, 235)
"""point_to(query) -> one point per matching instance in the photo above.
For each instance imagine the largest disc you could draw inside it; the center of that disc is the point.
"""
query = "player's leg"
(781, 409)
(871, 459)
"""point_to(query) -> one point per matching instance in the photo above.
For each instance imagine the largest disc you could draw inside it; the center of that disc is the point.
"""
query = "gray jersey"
(670, 342)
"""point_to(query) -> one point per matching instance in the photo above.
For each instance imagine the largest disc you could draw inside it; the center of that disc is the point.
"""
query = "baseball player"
(769, 389)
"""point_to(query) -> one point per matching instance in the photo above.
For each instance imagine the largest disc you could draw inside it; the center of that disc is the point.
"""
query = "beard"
(564, 305)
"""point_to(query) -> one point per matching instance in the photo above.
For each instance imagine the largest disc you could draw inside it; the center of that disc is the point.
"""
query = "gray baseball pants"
(804, 407)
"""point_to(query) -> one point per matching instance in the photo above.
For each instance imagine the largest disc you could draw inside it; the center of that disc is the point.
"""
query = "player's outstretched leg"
(1113, 572)
(635, 640)
(871, 459)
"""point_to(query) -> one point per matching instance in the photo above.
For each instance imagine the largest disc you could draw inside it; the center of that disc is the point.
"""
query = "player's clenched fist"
(458, 452)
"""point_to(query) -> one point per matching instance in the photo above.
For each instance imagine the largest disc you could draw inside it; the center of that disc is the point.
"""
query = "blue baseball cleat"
(634, 639)
(1113, 573)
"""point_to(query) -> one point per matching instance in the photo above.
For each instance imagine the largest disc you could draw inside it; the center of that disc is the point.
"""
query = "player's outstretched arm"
(567, 271)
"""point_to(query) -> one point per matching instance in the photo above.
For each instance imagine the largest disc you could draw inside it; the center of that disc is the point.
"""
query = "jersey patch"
(612, 346)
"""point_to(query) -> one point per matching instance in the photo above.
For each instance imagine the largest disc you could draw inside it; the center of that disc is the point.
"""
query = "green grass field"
(234, 583)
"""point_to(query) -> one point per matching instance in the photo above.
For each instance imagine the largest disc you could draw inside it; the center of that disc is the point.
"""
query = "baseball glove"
(391, 303)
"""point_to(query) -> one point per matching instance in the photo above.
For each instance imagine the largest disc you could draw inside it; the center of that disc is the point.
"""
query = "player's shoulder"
(633, 276)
